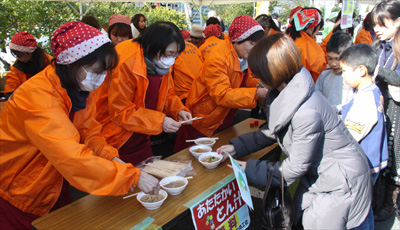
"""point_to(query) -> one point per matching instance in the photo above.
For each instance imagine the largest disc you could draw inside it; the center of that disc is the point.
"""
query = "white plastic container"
(152, 205)
(173, 191)
(194, 150)
(211, 165)
(205, 141)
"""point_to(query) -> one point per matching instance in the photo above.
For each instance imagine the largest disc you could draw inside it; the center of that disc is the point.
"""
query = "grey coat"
(335, 188)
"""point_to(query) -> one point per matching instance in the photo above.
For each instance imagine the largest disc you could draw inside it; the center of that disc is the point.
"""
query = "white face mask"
(92, 80)
(164, 62)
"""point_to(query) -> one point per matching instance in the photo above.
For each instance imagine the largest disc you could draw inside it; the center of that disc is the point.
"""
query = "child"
(330, 82)
(363, 115)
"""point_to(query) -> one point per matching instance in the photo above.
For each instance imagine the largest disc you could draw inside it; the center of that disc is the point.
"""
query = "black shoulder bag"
(277, 205)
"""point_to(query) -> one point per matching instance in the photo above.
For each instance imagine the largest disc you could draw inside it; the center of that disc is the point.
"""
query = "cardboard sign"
(224, 210)
(242, 182)
(347, 14)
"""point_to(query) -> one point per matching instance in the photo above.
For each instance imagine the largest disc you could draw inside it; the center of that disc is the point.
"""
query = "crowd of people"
(83, 116)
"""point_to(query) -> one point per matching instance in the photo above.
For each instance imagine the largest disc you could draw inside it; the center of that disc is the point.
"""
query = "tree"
(42, 18)
(228, 12)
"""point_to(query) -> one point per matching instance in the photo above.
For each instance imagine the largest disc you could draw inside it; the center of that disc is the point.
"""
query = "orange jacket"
(209, 45)
(216, 90)
(325, 42)
(40, 146)
(364, 36)
(16, 77)
(185, 69)
(313, 58)
(120, 100)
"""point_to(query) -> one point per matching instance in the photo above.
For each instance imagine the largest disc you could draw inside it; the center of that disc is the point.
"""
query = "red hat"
(23, 42)
(117, 18)
(212, 30)
(74, 40)
(294, 11)
(308, 18)
(185, 34)
(243, 27)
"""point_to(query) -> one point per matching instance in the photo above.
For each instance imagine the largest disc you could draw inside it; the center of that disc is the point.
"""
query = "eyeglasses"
(171, 54)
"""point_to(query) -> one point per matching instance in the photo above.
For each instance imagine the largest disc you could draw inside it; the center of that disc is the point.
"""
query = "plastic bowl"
(211, 165)
(205, 141)
(194, 150)
(173, 191)
(153, 205)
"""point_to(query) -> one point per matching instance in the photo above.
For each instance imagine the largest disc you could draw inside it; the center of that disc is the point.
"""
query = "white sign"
(242, 183)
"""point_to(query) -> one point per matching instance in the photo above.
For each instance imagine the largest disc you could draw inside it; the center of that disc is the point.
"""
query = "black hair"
(91, 21)
(136, 19)
(293, 33)
(339, 42)
(158, 36)
(212, 21)
(256, 36)
(37, 62)
(389, 9)
(122, 30)
(267, 21)
(105, 55)
(360, 55)
(367, 23)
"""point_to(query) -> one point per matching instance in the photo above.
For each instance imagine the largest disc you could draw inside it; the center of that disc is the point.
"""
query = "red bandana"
(74, 40)
(243, 27)
(308, 18)
(23, 42)
(212, 30)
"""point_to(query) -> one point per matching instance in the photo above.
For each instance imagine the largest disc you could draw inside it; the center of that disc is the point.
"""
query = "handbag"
(277, 204)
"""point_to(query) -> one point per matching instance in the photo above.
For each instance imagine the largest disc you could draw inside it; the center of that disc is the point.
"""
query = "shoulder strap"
(269, 181)
(282, 185)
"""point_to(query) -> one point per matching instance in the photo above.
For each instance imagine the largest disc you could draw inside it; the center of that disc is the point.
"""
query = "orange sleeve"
(325, 42)
(316, 62)
(90, 131)
(219, 85)
(123, 94)
(14, 79)
(51, 131)
(251, 80)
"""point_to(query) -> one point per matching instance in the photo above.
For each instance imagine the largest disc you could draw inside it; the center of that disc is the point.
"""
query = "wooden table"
(107, 212)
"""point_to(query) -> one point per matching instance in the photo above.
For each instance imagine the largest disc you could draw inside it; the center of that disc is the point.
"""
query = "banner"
(347, 14)
(223, 210)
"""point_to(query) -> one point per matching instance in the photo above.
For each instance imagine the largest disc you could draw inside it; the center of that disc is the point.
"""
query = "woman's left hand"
(241, 163)
(184, 116)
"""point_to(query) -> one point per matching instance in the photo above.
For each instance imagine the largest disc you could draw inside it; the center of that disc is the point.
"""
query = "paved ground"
(163, 146)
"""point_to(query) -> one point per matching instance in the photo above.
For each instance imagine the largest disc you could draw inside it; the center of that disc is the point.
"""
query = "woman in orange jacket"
(212, 35)
(138, 99)
(367, 33)
(306, 24)
(223, 84)
(49, 135)
(31, 60)
(185, 69)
